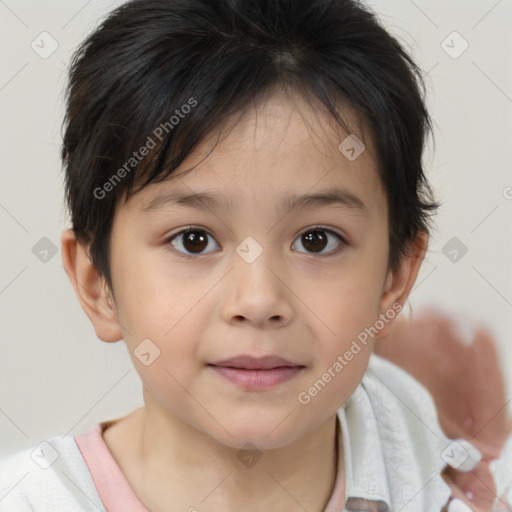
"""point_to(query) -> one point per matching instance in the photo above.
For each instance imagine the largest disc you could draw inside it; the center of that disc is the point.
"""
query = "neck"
(171, 462)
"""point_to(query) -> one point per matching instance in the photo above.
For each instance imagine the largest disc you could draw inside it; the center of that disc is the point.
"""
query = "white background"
(56, 377)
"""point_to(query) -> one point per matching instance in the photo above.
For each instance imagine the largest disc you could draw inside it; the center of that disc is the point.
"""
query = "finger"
(476, 488)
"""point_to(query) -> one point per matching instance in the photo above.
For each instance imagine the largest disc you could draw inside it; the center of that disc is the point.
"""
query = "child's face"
(289, 301)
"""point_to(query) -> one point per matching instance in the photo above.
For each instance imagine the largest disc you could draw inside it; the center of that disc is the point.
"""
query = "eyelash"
(342, 240)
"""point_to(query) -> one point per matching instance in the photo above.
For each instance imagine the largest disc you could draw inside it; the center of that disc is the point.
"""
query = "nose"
(258, 293)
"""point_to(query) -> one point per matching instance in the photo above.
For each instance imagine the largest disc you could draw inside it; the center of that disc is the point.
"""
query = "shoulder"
(401, 416)
(49, 476)
(403, 394)
(405, 412)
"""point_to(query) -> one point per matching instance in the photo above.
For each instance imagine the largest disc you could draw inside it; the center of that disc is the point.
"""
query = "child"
(283, 139)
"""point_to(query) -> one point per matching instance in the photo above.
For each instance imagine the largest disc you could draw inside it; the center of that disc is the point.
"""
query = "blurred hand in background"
(457, 360)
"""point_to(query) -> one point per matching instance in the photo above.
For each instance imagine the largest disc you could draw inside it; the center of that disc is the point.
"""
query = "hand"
(457, 361)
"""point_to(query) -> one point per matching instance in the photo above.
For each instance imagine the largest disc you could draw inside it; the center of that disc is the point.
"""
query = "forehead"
(279, 150)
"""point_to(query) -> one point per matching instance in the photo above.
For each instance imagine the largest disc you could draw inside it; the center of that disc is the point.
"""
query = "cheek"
(346, 328)
(155, 297)
(346, 302)
(163, 347)
(162, 331)
(343, 349)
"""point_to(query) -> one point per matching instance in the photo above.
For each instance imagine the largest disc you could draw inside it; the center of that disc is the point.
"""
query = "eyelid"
(325, 228)
(190, 227)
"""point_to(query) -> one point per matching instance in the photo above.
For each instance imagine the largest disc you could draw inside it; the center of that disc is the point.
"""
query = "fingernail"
(458, 506)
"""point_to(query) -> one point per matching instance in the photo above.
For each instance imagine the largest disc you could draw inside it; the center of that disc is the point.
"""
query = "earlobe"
(92, 292)
(399, 284)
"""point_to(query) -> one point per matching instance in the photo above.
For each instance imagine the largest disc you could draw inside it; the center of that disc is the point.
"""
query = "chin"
(264, 433)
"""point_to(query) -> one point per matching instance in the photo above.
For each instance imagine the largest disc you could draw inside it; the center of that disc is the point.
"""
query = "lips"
(255, 363)
(257, 373)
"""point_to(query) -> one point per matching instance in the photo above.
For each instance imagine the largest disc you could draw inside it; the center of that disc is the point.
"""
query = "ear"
(399, 284)
(92, 291)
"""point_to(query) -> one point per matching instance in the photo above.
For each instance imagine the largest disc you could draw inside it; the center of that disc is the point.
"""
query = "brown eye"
(195, 241)
(316, 240)
(190, 241)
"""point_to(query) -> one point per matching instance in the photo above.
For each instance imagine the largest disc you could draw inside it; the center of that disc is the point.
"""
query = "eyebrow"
(290, 202)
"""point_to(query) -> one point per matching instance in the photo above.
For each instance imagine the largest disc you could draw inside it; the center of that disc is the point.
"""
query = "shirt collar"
(391, 443)
(366, 486)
